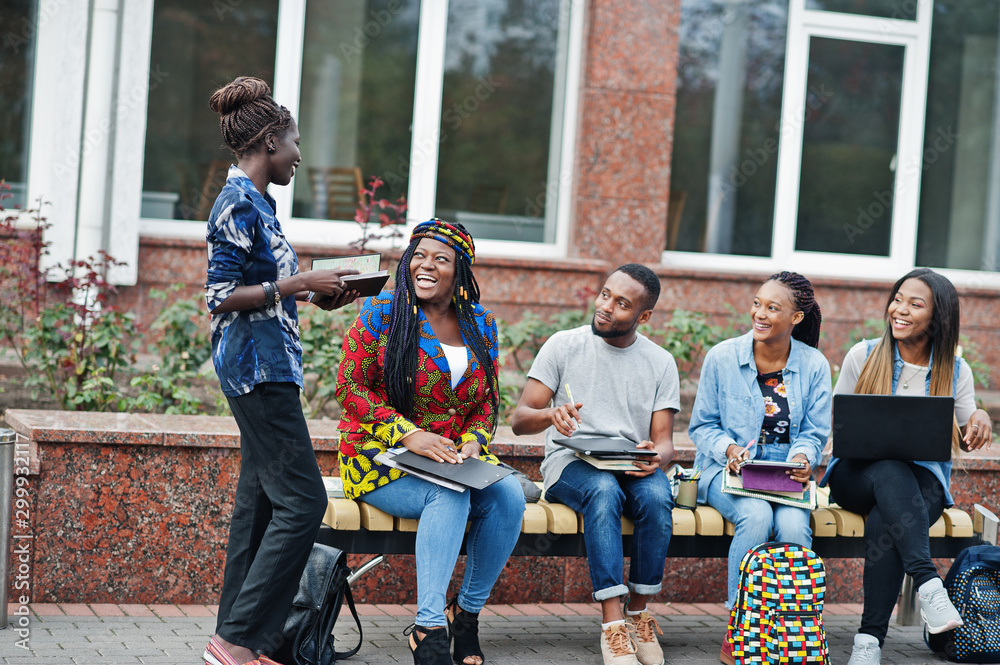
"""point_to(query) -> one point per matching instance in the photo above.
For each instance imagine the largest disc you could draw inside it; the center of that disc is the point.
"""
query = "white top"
(458, 362)
(965, 393)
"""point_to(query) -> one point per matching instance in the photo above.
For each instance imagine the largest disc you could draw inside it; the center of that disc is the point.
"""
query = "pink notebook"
(769, 476)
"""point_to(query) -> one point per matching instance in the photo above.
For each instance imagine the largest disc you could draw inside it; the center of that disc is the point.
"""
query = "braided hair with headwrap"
(400, 370)
(807, 330)
(248, 114)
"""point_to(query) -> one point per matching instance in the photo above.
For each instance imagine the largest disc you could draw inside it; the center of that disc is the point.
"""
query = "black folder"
(473, 473)
(605, 447)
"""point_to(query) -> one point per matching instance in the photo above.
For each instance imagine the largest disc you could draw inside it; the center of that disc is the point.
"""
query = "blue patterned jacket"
(246, 246)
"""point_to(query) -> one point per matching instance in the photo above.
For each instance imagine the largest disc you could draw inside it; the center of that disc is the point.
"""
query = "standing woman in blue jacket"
(252, 288)
(764, 395)
(914, 356)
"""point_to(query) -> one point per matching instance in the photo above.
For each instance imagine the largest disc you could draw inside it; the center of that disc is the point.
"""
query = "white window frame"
(914, 36)
(426, 127)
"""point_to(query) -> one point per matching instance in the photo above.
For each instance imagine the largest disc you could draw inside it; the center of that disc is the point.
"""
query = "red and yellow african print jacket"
(369, 424)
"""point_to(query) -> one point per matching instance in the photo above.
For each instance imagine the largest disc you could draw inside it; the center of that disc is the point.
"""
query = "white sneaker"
(647, 648)
(936, 609)
(617, 646)
(866, 650)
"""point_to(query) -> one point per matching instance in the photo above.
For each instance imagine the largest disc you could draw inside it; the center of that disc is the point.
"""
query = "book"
(803, 498)
(609, 464)
(473, 472)
(334, 487)
(769, 476)
(605, 447)
(369, 280)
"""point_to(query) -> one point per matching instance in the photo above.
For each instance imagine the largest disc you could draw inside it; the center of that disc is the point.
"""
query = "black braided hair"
(807, 330)
(400, 369)
(248, 113)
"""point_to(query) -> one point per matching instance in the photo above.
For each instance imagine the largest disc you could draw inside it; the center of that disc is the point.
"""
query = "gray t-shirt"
(619, 388)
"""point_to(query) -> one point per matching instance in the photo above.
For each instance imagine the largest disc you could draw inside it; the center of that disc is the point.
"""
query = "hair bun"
(243, 90)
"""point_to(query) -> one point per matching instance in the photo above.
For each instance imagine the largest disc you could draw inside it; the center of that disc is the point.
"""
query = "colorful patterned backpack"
(778, 616)
(973, 585)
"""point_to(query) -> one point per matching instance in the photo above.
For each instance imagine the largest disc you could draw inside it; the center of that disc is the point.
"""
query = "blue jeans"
(495, 513)
(602, 497)
(756, 519)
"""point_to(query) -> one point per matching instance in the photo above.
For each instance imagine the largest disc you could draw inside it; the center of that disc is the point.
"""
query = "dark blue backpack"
(973, 584)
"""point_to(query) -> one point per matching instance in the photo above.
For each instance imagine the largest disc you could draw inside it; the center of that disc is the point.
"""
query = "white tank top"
(458, 362)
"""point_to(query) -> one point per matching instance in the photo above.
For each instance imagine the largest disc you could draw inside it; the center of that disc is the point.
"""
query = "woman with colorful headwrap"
(419, 370)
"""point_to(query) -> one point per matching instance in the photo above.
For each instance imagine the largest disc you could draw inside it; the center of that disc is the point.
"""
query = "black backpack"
(308, 632)
(973, 584)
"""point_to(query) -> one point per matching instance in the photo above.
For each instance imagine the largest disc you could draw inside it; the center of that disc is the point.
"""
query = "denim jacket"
(941, 470)
(729, 406)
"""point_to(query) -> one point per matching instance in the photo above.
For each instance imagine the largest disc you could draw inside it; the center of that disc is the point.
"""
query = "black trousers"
(902, 501)
(280, 503)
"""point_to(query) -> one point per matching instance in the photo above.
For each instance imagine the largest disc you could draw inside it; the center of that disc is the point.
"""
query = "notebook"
(897, 427)
(605, 447)
(769, 476)
(368, 282)
(804, 497)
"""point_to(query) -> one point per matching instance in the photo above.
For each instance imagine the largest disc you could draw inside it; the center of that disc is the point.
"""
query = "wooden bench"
(553, 529)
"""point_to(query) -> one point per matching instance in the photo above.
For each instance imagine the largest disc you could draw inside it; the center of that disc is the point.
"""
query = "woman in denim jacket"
(765, 395)
(916, 355)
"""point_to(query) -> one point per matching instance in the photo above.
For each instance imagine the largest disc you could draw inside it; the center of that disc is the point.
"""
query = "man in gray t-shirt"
(605, 380)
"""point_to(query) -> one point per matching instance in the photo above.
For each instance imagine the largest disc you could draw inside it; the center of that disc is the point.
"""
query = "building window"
(202, 46)
(960, 191)
(355, 103)
(19, 18)
(501, 64)
(837, 137)
(729, 90)
(457, 106)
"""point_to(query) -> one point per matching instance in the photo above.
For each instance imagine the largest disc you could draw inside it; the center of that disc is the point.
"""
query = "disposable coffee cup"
(687, 494)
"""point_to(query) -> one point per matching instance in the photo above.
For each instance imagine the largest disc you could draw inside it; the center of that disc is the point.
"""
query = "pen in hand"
(569, 393)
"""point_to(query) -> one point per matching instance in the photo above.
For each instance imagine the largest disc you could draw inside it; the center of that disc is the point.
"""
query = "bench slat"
(685, 522)
(938, 529)
(822, 523)
(958, 523)
(535, 519)
(405, 524)
(708, 521)
(342, 514)
(374, 519)
(849, 525)
(560, 518)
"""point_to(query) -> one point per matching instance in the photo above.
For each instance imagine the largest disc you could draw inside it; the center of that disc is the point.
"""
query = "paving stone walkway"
(536, 634)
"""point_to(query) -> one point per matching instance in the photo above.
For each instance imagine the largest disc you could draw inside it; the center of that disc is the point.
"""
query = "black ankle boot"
(464, 628)
(431, 648)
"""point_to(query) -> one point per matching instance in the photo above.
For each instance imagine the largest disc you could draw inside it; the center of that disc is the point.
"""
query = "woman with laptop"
(419, 370)
(763, 396)
(915, 356)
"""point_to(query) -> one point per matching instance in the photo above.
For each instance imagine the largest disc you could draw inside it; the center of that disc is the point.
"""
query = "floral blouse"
(370, 425)
(775, 427)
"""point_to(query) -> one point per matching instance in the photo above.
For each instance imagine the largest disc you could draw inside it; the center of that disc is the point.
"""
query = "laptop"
(897, 427)
(606, 448)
